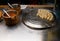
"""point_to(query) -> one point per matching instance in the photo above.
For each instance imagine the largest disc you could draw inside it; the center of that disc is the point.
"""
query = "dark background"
(26, 1)
(30, 2)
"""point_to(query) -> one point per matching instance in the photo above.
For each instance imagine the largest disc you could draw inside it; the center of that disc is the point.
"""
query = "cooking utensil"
(32, 21)
(10, 5)
(6, 13)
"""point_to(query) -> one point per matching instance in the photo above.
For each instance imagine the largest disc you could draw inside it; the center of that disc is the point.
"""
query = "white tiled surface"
(20, 33)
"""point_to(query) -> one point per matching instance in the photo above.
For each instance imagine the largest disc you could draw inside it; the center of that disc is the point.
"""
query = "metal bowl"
(32, 21)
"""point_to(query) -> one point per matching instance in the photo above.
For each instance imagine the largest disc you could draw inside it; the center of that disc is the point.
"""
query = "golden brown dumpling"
(45, 14)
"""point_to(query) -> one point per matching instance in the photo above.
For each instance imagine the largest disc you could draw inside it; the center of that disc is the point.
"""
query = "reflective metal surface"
(32, 21)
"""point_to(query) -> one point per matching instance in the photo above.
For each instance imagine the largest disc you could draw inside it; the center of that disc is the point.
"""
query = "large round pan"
(30, 20)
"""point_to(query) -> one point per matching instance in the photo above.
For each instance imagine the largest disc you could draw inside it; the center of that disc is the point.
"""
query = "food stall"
(20, 22)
